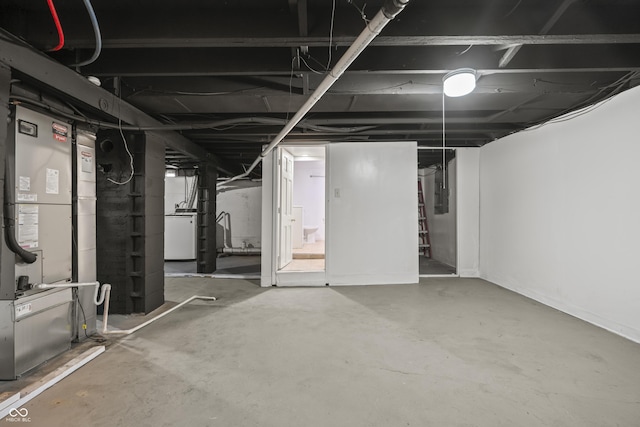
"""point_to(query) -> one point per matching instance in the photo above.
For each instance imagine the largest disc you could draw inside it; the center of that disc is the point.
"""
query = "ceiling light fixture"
(459, 82)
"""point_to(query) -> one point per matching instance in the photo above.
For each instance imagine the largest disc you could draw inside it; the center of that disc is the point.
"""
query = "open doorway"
(301, 236)
(437, 224)
(180, 221)
(238, 226)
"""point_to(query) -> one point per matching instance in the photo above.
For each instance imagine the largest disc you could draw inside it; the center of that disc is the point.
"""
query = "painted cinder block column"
(130, 221)
(206, 238)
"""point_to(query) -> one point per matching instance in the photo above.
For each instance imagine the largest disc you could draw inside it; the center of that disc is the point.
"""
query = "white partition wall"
(560, 214)
(468, 204)
(372, 232)
(371, 217)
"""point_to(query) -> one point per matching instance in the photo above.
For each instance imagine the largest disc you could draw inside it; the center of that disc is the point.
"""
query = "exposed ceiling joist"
(250, 64)
(64, 81)
(513, 50)
(341, 41)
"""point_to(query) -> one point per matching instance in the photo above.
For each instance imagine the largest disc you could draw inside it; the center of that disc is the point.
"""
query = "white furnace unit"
(37, 246)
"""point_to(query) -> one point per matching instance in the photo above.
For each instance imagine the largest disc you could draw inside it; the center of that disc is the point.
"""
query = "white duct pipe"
(227, 227)
(245, 251)
(105, 315)
(106, 288)
(388, 11)
(106, 297)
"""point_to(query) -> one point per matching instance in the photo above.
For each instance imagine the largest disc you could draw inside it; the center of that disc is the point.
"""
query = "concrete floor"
(250, 264)
(234, 264)
(431, 266)
(446, 352)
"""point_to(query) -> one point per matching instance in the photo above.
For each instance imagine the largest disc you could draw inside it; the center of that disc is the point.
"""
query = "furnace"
(49, 238)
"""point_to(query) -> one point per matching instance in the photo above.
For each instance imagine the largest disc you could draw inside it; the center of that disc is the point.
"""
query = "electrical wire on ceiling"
(571, 114)
(189, 126)
(464, 51)
(513, 9)
(363, 15)
(309, 66)
(58, 25)
(96, 32)
(333, 15)
(293, 61)
(379, 89)
(389, 10)
(316, 61)
(188, 93)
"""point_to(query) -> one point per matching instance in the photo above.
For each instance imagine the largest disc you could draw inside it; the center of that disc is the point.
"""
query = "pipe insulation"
(242, 251)
(105, 315)
(106, 288)
(105, 297)
(389, 10)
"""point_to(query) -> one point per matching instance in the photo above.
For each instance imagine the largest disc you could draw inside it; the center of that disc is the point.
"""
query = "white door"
(285, 254)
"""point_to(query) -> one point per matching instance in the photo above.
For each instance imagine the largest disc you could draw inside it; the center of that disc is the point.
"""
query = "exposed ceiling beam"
(487, 71)
(417, 60)
(513, 50)
(67, 83)
(418, 40)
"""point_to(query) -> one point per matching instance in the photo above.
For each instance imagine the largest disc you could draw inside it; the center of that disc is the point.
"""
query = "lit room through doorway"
(307, 215)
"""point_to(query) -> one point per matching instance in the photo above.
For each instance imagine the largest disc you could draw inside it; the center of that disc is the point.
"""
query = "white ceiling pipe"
(389, 10)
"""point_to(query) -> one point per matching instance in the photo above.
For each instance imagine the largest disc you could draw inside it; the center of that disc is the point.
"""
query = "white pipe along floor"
(445, 352)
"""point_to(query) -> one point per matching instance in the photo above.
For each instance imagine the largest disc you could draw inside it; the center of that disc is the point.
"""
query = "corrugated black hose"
(9, 213)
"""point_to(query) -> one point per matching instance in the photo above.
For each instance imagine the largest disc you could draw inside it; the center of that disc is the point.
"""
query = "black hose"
(9, 213)
(96, 32)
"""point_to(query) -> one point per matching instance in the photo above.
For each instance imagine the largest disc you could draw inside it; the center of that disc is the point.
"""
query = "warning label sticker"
(60, 131)
(53, 181)
(87, 161)
(28, 226)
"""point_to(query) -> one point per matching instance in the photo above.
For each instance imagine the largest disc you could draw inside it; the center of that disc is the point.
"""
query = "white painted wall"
(468, 161)
(242, 200)
(468, 207)
(175, 192)
(560, 214)
(372, 233)
(308, 192)
(442, 227)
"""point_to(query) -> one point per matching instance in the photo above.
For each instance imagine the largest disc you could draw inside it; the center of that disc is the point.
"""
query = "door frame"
(294, 278)
(457, 221)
